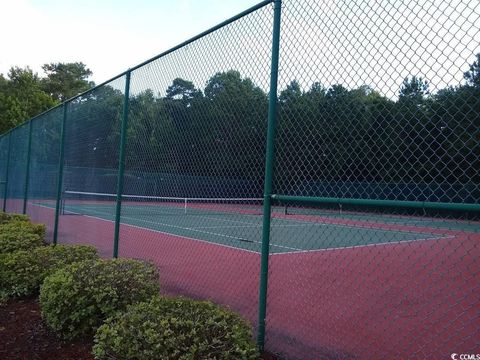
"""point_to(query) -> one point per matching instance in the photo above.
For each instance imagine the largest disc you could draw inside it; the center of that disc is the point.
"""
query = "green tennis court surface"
(243, 230)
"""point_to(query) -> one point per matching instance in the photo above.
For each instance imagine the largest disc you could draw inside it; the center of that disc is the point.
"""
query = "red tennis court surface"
(413, 299)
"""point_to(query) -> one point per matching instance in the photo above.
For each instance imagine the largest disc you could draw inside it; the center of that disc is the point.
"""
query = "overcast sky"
(109, 36)
(369, 42)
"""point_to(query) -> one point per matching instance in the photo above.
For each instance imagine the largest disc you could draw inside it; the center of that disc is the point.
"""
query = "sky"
(377, 43)
(109, 36)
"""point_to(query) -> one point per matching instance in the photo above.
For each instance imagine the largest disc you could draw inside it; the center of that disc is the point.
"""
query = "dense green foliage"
(421, 137)
(175, 328)
(24, 94)
(22, 272)
(8, 217)
(10, 242)
(20, 235)
(76, 299)
(21, 97)
(65, 80)
(16, 226)
(210, 142)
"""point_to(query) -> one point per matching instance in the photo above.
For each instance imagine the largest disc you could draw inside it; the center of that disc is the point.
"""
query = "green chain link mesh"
(92, 132)
(376, 101)
(196, 146)
(3, 168)
(375, 227)
(17, 169)
(43, 175)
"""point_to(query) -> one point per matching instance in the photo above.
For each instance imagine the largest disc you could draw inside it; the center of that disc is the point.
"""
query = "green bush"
(20, 235)
(175, 328)
(23, 227)
(22, 272)
(11, 242)
(76, 299)
(6, 217)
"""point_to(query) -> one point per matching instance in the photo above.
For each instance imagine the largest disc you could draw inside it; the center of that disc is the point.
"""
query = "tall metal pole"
(121, 164)
(60, 174)
(5, 190)
(270, 156)
(27, 170)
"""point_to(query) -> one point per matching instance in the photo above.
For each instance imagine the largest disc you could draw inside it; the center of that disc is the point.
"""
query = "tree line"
(324, 134)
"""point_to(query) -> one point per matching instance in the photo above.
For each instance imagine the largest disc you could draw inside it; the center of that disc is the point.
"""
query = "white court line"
(315, 223)
(296, 250)
(255, 225)
(191, 229)
(163, 232)
(173, 226)
(229, 220)
(211, 233)
(362, 246)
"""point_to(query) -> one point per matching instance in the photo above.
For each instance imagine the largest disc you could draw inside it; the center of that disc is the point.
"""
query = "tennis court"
(203, 247)
(237, 222)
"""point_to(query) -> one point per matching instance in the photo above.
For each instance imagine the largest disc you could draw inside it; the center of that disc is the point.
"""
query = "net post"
(27, 170)
(185, 206)
(59, 204)
(5, 190)
(121, 164)
(269, 160)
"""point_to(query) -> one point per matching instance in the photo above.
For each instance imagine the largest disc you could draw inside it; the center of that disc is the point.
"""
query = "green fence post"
(5, 190)
(60, 174)
(27, 170)
(121, 164)
(270, 156)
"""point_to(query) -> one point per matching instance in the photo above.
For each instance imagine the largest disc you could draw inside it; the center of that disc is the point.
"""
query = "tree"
(413, 90)
(182, 90)
(179, 101)
(21, 97)
(473, 75)
(65, 80)
(291, 93)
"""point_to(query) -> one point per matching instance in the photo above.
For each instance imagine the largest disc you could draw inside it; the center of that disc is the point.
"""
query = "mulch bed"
(24, 336)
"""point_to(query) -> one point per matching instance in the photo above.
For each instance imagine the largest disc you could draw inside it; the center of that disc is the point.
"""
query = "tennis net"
(98, 204)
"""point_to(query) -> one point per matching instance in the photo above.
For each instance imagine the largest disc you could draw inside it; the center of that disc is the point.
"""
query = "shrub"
(175, 328)
(6, 217)
(11, 242)
(20, 235)
(22, 272)
(23, 227)
(76, 299)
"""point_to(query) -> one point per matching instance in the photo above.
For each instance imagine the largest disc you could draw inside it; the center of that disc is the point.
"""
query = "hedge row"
(22, 272)
(123, 295)
(117, 301)
(18, 233)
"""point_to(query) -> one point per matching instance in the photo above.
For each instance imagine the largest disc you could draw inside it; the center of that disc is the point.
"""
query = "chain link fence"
(312, 165)
(43, 173)
(16, 168)
(378, 124)
(4, 144)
